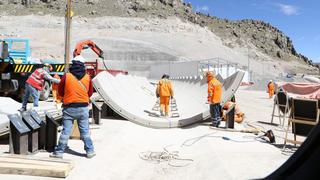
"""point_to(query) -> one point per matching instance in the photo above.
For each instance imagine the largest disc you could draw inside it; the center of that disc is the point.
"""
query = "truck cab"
(16, 66)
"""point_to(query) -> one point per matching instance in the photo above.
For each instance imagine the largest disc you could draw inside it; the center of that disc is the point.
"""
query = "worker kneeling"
(165, 92)
(75, 88)
(214, 98)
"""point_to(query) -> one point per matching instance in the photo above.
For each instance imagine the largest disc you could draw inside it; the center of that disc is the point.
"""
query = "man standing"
(164, 91)
(214, 98)
(271, 89)
(75, 89)
(35, 84)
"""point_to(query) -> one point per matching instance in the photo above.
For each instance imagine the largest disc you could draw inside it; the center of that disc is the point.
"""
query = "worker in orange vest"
(238, 115)
(214, 98)
(35, 84)
(75, 88)
(56, 97)
(165, 92)
(271, 89)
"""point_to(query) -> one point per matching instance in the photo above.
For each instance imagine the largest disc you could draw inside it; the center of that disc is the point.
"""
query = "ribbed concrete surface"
(133, 98)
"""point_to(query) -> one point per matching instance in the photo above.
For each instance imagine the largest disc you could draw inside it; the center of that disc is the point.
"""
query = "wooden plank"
(33, 170)
(75, 131)
(47, 159)
(36, 162)
(35, 166)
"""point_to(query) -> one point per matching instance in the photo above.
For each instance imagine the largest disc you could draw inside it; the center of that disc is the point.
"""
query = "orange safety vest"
(36, 79)
(76, 91)
(164, 88)
(271, 86)
(214, 91)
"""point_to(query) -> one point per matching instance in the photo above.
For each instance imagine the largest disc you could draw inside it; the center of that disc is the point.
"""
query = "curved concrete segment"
(134, 98)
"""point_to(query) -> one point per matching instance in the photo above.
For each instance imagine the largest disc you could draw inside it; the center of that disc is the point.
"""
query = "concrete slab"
(9, 106)
(133, 98)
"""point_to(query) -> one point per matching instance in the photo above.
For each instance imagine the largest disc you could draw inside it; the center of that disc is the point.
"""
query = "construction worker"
(271, 89)
(35, 84)
(75, 88)
(165, 92)
(214, 98)
(56, 97)
(238, 114)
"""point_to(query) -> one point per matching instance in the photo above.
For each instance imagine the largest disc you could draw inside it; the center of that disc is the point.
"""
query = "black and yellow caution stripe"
(59, 68)
(29, 68)
(23, 68)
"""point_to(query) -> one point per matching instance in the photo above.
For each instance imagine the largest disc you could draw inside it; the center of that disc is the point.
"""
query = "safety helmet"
(165, 76)
(48, 66)
(79, 58)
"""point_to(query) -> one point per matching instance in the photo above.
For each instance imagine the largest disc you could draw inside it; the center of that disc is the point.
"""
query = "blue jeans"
(81, 114)
(215, 112)
(35, 94)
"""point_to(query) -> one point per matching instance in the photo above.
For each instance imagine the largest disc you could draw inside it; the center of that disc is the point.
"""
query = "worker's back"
(76, 91)
(165, 88)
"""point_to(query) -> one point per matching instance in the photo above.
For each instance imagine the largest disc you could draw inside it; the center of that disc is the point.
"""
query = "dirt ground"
(203, 153)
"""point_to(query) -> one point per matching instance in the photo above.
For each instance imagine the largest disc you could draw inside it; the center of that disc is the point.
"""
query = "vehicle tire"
(45, 93)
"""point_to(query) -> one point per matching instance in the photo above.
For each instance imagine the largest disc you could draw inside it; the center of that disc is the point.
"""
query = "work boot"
(91, 154)
(215, 123)
(56, 155)
(161, 113)
(22, 109)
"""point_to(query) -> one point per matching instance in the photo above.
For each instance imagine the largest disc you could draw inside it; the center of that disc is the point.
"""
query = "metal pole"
(67, 36)
(248, 63)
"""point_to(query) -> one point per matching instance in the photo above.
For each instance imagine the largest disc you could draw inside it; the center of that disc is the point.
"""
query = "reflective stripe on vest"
(74, 92)
(36, 79)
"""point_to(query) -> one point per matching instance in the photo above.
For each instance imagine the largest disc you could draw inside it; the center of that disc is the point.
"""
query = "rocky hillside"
(263, 36)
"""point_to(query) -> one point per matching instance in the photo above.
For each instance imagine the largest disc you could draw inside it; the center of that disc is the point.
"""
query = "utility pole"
(67, 36)
(249, 78)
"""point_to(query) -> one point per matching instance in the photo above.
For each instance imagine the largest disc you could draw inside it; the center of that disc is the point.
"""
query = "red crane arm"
(84, 45)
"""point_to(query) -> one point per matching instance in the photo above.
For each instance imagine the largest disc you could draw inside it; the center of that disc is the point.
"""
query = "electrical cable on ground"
(172, 157)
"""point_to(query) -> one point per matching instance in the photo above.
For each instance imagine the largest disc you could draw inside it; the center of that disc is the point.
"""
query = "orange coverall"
(238, 115)
(214, 89)
(214, 98)
(271, 89)
(165, 91)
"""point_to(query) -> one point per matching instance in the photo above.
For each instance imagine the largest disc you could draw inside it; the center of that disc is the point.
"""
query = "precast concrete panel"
(133, 98)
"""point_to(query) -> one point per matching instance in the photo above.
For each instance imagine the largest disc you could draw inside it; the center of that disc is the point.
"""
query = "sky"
(298, 19)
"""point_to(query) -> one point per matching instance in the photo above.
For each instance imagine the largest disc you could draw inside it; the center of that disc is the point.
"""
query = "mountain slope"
(265, 39)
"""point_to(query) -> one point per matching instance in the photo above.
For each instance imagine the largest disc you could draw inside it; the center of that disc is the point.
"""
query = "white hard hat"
(79, 58)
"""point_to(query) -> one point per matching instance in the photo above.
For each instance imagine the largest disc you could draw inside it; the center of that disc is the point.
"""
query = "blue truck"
(16, 66)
